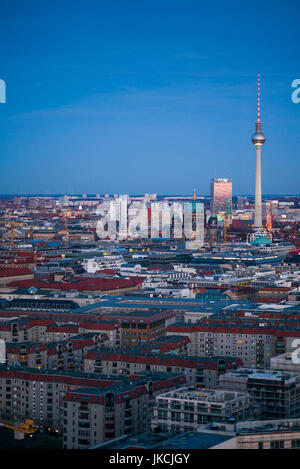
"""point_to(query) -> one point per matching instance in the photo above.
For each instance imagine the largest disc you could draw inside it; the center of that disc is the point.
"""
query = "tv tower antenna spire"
(258, 98)
(258, 140)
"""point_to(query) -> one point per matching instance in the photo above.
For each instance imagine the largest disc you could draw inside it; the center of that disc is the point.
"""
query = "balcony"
(84, 442)
(83, 408)
(83, 424)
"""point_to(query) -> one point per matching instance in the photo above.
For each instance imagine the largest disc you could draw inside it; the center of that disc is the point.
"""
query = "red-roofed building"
(116, 411)
(39, 393)
(24, 330)
(111, 329)
(83, 284)
(57, 356)
(107, 271)
(15, 273)
(254, 342)
(68, 400)
(198, 370)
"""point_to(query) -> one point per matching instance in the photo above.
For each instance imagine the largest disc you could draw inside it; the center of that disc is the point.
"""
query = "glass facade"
(220, 191)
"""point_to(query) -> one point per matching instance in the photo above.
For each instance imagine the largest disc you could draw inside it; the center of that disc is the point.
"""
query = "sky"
(115, 96)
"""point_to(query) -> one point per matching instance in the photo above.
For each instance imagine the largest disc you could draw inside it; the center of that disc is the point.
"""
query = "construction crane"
(20, 429)
(225, 228)
(12, 226)
(227, 219)
(66, 215)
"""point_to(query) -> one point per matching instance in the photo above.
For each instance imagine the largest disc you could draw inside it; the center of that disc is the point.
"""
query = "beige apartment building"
(38, 394)
(198, 370)
(93, 416)
(25, 329)
(255, 346)
(57, 355)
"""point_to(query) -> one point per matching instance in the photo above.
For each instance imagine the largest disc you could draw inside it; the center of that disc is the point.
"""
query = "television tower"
(258, 140)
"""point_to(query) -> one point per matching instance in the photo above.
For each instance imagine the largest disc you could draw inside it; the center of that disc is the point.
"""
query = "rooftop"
(199, 394)
(151, 440)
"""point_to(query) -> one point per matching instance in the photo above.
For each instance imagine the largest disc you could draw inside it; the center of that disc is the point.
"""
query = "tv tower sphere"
(258, 138)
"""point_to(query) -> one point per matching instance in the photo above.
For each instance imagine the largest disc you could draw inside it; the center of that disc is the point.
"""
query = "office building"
(220, 191)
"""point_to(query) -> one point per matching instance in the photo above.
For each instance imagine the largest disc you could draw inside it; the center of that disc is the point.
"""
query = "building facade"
(220, 191)
(185, 409)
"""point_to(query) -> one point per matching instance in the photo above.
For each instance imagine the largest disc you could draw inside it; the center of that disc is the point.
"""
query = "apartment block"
(56, 355)
(186, 408)
(273, 394)
(255, 346)
(38, 394)
(93, 416)
(198, 370)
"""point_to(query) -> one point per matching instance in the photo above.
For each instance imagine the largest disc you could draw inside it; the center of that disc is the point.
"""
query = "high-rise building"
(220, 191)
(194, 224)
(212, 228)
(258, 140)
(155, 219)
(240, 202)
(178, 220)
(123, 221)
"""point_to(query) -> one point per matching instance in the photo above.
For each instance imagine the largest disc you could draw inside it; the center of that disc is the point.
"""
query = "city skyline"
(144, 94)
(149, 246)
(188, 195)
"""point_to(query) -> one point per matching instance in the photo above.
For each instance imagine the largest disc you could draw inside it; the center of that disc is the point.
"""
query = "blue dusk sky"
(115, 96)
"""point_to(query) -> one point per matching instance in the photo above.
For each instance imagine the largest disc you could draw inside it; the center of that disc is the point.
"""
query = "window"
(277, 444)
(109, 402)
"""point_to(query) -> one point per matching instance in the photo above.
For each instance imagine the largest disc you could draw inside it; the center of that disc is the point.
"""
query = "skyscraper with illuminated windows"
(220, 192)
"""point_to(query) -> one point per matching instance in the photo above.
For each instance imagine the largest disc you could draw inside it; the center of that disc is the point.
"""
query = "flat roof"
(151, 440)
